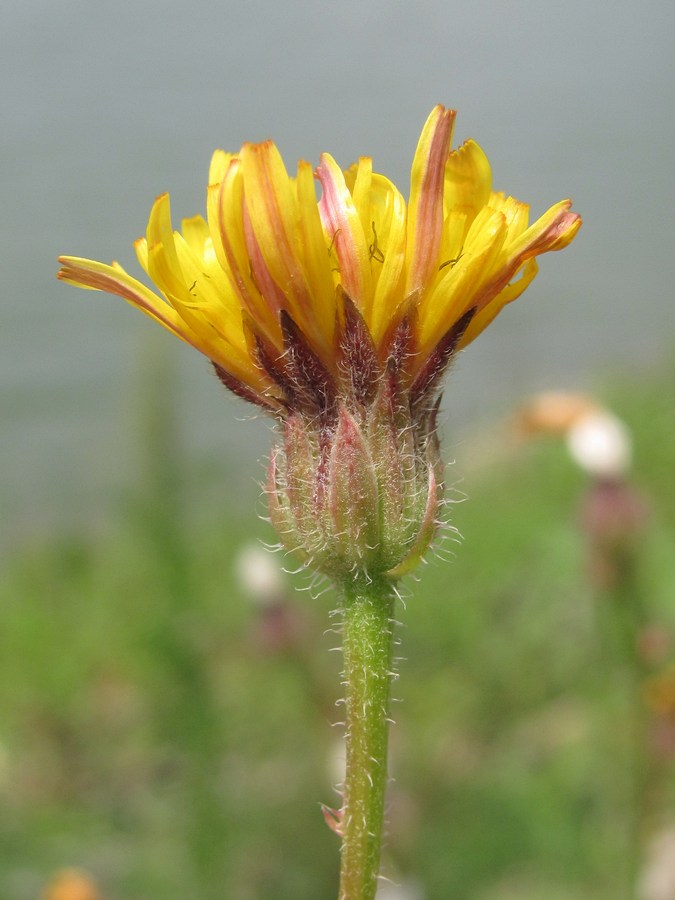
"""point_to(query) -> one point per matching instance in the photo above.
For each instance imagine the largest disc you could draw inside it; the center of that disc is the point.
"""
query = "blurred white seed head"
(259, 574)
(601, 444)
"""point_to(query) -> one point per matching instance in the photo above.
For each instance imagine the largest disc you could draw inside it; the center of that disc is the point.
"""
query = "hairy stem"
(367, 648)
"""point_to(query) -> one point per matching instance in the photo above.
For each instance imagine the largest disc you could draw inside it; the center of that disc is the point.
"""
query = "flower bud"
(358, 494)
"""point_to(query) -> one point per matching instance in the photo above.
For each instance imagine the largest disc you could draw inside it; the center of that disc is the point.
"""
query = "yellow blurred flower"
(272, 267)
(71, 884)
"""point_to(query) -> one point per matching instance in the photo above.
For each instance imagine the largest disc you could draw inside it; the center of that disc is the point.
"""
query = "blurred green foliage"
(158, 731)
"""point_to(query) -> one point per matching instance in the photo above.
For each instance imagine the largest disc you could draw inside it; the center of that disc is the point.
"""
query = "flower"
(340, 316)
(271, 265)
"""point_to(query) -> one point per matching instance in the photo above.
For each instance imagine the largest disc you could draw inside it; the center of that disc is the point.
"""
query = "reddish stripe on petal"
(552, 231)
(341, 222)
(562, 232)
(270, 290)
(229, 213)
(272, 207)
(425, 212)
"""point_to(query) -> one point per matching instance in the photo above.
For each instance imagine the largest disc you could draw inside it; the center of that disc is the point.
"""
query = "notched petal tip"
(552, 231)
(259, 149)
(440, 111)
(65, 262)
(80, 272)
(220, 161)
(566, 228)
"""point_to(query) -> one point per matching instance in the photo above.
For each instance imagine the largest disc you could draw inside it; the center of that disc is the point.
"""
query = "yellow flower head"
(274, 282)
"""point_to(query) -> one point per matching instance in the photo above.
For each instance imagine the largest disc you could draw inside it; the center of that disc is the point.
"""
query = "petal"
(220, 163)
(316, 259)
(225, 206)
(217, 334)
(342, 226)
(196, 233)
(361, 188)
(97, 276)
(211, 296)
(272, 203)
(186, 325)
(553, 231)
(460, 288)
(425, 209)
(382, 213)
(468, 180)
(163, 265)
(180, 275)
(388, 211)
(515, 213)
(272, 294)
(455, 227)
(141, 248)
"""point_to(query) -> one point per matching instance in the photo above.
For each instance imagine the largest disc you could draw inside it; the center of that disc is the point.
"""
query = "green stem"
(367, 648)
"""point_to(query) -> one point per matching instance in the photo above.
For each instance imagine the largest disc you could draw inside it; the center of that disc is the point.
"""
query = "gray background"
(106, 105)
